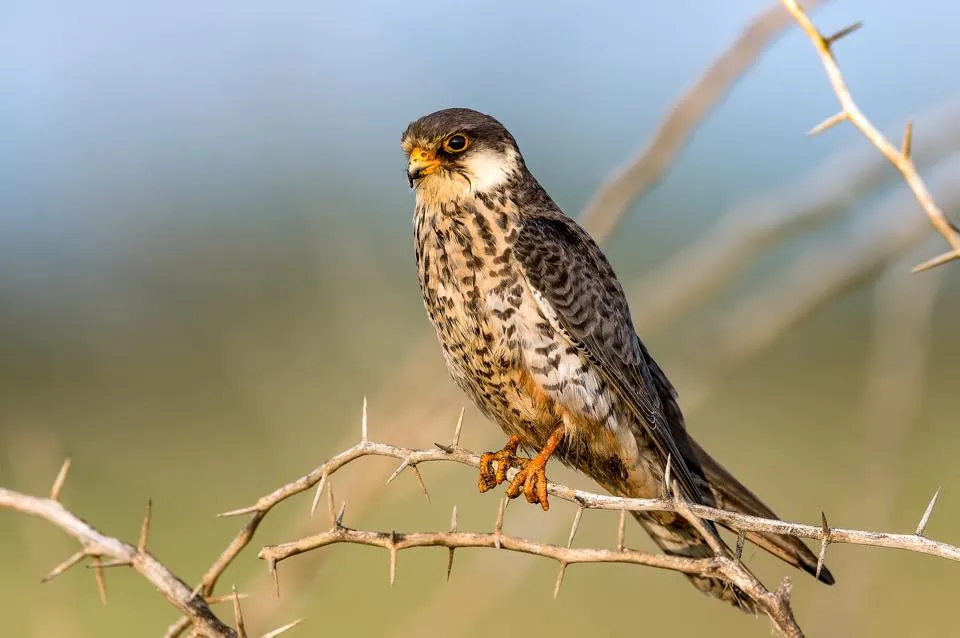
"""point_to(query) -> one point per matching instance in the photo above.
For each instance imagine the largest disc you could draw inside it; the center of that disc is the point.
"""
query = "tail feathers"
(733, 496)
(676, 537)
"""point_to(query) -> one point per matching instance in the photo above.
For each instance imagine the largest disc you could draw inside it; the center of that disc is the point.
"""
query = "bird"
(535, 328)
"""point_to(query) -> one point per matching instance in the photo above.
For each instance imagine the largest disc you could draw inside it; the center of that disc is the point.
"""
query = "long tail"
(677, 537)
(732, 495)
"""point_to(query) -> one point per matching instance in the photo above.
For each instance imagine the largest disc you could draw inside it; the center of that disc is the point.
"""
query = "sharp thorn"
(363, 422)
(939, 260)
(403, 465)
(393, 557)
(560, 573)
(240, 512)
(498, 526)
(316, 495)
(446, 448)
(907, 148)
(576, 524)
(456, 432)
(622, 531)
(272, 568)
(339, 520)
(109, 564)
(281, 630)
(824, 541)
(64, 566)
(453, 528)
(101, 579)
(216, 600)
(60, 480)
(145, 528)
(927, 512)
(828, 123)
(419, 477)
(842, 33)
(238, 615)
(330, 506)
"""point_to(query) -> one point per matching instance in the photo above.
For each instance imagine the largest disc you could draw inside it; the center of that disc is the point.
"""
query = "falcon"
(535, 328)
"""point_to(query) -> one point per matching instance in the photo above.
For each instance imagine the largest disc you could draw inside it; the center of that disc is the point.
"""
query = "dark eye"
(456, 143)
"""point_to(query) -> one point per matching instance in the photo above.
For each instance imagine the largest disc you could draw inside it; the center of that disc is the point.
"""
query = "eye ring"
(457, 143)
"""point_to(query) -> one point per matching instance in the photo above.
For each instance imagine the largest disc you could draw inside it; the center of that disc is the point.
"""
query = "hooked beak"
(421, 163)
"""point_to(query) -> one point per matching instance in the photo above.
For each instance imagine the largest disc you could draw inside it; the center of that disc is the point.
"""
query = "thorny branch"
(194, 604)
(901, 158)
(775, 604)
(97, 546)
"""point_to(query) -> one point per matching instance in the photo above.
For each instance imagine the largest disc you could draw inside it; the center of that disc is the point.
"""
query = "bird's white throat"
(485, 171)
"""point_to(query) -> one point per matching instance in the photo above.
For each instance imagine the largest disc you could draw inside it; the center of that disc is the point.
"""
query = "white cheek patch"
(489, 170)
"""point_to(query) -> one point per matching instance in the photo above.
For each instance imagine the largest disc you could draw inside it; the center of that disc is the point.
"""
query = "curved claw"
(494, 465)
(532, 481)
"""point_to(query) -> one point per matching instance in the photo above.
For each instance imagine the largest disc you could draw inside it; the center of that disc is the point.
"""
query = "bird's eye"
(456, 143)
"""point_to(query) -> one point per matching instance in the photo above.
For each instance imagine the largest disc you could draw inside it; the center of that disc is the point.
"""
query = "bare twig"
(900, 158)
(614, 197)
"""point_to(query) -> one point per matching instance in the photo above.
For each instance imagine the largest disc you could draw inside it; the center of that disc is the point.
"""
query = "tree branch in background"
(618, 192)
(822, 273)
(767, 220)
(850, 112)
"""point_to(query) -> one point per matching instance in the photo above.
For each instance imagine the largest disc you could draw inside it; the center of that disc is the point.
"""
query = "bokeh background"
(206, 263)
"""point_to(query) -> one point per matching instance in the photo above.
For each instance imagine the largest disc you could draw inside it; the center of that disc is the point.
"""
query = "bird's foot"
(532, 477)
(494, 465)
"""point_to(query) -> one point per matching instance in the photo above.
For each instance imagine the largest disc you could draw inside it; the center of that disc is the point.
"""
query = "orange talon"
(506, 458)
(532, 477)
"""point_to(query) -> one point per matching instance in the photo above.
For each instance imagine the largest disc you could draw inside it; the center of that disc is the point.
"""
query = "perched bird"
(535, 328)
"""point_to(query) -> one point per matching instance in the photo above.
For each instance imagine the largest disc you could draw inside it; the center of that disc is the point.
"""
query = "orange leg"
(506, 458)
(532, 477)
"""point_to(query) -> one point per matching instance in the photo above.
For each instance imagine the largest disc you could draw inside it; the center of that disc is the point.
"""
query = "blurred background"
(206, 262)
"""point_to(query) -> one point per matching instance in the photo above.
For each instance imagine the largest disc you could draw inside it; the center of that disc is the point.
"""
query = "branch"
(774, 604)
(410, 457)
(822, 273)
(616, 194)
(766, 221)
(850, 112)
(96, 546)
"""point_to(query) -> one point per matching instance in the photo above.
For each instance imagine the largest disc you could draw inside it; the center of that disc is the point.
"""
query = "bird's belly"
(523, 373)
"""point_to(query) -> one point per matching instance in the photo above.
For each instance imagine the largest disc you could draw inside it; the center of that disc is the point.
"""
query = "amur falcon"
(535, 328)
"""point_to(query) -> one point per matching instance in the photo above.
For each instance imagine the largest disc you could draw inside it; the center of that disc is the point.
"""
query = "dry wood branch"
(613, 198)
(900, 158)
(97, 545)
(589, 500)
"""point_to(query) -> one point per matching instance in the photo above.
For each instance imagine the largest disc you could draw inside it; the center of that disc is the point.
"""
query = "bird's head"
(455, 152)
